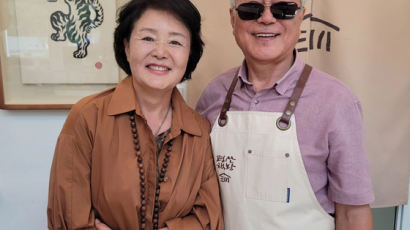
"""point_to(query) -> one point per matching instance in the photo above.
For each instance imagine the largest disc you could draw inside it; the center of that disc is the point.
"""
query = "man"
(287, 140)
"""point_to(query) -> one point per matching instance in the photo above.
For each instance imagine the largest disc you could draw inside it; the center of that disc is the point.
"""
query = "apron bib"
(261, 174)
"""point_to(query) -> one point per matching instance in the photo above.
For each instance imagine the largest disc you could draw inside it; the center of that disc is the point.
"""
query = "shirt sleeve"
(349, 174)
(207, 209)
(69, 200)
(203, 103)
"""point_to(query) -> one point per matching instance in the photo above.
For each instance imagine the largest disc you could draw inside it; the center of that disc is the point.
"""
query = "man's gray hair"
(233, 3)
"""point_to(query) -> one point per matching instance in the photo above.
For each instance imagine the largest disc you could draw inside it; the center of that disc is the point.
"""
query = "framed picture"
(54, 52)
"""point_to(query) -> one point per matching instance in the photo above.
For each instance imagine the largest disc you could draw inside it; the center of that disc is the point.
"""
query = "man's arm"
(353, 217)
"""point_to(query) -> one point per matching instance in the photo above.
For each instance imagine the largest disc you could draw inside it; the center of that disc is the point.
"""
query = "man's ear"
(232, 13)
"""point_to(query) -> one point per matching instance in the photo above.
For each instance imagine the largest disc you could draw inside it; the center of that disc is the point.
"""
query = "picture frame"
(41, 66)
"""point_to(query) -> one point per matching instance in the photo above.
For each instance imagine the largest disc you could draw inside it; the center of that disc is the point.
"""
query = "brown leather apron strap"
(290, 108)
(283, 122)
(223, 118)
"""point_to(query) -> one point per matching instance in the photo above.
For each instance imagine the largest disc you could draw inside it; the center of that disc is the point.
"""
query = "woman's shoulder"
(87, 109)
(201, 122)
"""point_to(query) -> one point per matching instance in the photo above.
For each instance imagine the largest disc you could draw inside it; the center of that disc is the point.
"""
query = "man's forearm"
(353, 217)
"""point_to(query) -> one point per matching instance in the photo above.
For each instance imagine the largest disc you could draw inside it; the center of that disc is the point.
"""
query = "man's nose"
(267, 16)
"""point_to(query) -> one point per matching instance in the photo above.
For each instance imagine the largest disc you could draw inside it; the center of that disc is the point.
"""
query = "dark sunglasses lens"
(284, 10)
(250, 11)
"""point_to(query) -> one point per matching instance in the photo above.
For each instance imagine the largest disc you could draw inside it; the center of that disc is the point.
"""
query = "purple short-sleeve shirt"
(329, 126)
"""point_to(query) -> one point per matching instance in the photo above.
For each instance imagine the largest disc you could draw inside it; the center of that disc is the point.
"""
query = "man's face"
(266, 39)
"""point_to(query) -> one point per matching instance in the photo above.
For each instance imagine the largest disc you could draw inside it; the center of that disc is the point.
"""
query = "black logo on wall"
(322, 40)
(82, 17)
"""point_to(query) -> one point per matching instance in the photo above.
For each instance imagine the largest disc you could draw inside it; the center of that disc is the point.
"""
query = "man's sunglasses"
(280, 10)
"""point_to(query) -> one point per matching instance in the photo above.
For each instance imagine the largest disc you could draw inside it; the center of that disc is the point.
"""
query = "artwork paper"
(66, 41)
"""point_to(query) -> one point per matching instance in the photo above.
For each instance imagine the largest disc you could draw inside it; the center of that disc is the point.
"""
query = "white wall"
(27, 140)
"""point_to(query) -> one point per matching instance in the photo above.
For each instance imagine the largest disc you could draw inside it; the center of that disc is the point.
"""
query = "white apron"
(262, 177)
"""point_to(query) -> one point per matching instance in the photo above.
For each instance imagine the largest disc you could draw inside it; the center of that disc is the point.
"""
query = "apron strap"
(290, 108)
(223, 118)
(283, 122)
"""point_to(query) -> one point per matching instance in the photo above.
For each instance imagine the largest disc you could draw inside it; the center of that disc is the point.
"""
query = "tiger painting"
(82, 17)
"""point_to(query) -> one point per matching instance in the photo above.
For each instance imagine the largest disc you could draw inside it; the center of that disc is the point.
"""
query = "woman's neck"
(154, 106)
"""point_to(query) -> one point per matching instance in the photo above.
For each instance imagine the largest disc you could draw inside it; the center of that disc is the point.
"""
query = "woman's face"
(158, 50)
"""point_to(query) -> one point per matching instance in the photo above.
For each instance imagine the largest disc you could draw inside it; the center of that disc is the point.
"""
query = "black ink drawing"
(320, 37)
(82, 17)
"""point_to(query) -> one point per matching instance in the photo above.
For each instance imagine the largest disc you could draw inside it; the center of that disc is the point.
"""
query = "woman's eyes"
(177, 43)
(172, 42)
(149, 39)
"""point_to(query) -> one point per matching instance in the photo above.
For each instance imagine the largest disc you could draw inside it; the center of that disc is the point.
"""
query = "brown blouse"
(94, 171)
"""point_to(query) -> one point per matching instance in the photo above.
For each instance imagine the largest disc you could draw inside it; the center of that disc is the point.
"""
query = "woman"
(137, 157)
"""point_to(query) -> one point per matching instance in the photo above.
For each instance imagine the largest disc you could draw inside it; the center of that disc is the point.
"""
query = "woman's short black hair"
(184, 10)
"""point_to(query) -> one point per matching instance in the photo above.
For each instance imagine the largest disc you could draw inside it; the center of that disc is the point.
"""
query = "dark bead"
(143, 214)
(167, 155)
(155, 221)
(162, 175)
(142, 177)
(143, 189)
(132, 117)
(136, 141)
(139, 159)
(143, 220)
(166, 160)
(161, 180)
(163, 170)
(134, 130)
(142, 196)
(169, 148)
(132, 123)
(135, 135)
(170, 143)
(165, 165)
(143, 208)
(137, 147)
(143, 202)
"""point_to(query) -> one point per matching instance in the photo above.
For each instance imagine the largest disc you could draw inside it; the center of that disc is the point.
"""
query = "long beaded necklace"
(160, 179)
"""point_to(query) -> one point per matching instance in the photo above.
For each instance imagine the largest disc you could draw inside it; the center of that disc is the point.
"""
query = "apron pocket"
(267, 178)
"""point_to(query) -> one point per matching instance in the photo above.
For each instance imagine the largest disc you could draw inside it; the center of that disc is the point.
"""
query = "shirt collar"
(284, 83)
(124, 100)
